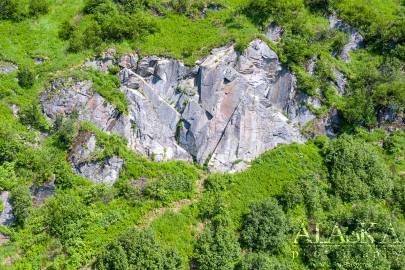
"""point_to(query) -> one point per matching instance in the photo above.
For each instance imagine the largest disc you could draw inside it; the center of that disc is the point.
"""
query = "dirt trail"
(175, 207)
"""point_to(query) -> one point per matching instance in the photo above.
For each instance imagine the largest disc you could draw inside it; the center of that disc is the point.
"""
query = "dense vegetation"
(271, 216)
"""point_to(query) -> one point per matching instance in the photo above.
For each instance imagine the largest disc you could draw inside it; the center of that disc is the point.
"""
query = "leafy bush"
(110, 21)
(66, 217)
(66, 30)
(7, 176)
(21, 200)
(317, 5)
(10, 10)
(65, 131)
(138, 250)
(32, 116)
(216, 248)
(9, 144)
(192, 8)
(265, 227)
(309, 190)
(260, 261)
(17, 10)
(38, 7)
(26, 77)
(259, 11)
(357, 170)
(164, 189)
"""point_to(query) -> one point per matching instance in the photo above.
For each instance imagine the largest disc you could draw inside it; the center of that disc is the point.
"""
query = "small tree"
(26, 77)
(114, 257)
(138, 250)
(21, 200)
(357, 170)
(38, 7)
(260, 261)
(10, 10)
(217, 248)
(265, 227)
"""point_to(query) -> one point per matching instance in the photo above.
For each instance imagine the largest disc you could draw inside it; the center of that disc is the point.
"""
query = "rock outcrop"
(85, 162)
(71, 96)
(224, 112)
(274, 32)
(7, 67)
(6, 216)
(355, 39)
(355, 42)
(40, 193)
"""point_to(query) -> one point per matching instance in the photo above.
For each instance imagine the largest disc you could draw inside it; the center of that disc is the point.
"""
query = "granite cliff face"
(224, 112)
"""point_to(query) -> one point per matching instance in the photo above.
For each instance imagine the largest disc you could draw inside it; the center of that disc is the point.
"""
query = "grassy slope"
(264, 179)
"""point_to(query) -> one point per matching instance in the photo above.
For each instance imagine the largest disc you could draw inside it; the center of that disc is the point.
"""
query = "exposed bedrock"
(356, 40)
(85, 160)
(224, 112)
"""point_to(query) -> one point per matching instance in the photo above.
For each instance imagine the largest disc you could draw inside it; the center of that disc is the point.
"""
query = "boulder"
(274, 32)
(6, 216)
(40, 193)
(242, 108)
(85, 163)
(7, 67)
(102, 172)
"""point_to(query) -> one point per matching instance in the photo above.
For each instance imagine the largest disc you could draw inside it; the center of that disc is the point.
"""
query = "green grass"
(268, 174)
(178, 230)
(181, 38)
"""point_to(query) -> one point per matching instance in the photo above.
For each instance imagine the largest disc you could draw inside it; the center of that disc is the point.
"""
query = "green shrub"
(260, 261)
(26, 77)
(114, 70)
(66, 217)
(21, 200)
(32, 116)
(138, 250)
(114, 257)
(38, 7)
(164, 189)
(9, 144)
(357, 169)
(98, 193)
(265, 227)
(7, 176)
(65, 131)
(11, 10)
(216, 248)
(66, 30)
(108, 21)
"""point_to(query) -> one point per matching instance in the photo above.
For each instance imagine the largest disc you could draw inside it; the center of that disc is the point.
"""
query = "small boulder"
(6, 216)
(40, 193)
(7, 67)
